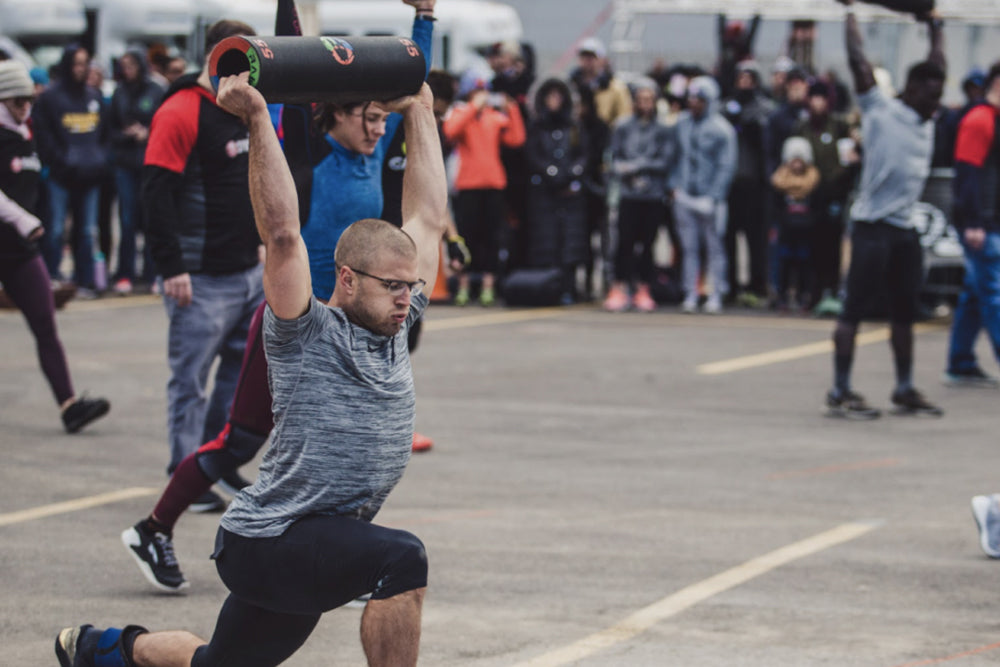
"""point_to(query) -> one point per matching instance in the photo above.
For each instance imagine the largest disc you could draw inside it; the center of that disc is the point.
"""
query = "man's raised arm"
(861, 69)
(287, 284)
(425, 188)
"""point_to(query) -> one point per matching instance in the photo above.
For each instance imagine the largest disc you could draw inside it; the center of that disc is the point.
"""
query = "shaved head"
(361, 244)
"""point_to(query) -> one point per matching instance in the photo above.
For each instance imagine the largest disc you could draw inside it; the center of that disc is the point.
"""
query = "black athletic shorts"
(886, 261)
(320, 563)
(279, 586)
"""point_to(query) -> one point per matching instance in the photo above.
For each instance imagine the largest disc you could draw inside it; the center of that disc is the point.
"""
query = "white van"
(463, 30)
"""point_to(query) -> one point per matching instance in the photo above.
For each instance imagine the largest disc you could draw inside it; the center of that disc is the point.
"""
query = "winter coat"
(557, 155)
(132, 102)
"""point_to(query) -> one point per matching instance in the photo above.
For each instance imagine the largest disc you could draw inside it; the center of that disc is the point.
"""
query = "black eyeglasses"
(21, 101)
(396, 287)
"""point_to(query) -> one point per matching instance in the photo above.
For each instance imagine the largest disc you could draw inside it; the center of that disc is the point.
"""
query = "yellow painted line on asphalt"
(642, 620)
(796, 352)
(502, 317)
(76, 505)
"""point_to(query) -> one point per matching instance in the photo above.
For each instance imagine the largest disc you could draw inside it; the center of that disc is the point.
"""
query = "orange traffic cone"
(440, 293)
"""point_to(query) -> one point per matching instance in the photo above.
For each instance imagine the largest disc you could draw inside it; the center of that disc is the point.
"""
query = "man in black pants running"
(885, 248)
(300, 540)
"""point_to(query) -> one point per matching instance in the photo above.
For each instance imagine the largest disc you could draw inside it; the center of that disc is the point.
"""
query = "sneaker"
(70, 651)
(232, 482)
(912, 402)
(828, 306)
(462, 296)
(849, 405)
(208, 502)
(421, 443)
(122, 287)
(85, 646)
(86, 294)
(83, 411)
(973, 377)
(984, 510)
(616, 301)
(714, 305)
(689, 306)
(487, 297)
(749, 300)
(642, 301)
(154, 553)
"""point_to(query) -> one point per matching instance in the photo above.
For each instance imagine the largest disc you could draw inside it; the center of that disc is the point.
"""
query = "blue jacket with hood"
(707, 152)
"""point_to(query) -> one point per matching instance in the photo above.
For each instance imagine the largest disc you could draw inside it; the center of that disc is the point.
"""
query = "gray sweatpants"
(695, 229)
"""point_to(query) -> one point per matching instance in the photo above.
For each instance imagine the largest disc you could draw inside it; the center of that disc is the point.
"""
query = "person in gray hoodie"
(640, 155)
(705, 161)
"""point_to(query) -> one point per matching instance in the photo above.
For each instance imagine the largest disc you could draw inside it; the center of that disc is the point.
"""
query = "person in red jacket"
(478, 128)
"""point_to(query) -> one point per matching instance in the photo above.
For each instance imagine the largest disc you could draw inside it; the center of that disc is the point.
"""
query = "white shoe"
(713, 306)
(689, 306)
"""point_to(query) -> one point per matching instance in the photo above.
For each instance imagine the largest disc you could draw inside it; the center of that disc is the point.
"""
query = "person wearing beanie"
(704, 162)
(72, 131)
(748, 110)
(795, 180)
(640, 156)
(22, 270)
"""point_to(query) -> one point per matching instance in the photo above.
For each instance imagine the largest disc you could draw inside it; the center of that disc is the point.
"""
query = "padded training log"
(917, 7)
(322, 69)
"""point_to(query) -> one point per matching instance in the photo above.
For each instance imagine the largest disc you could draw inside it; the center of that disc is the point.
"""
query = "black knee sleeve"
(240, 446)
(405, 568)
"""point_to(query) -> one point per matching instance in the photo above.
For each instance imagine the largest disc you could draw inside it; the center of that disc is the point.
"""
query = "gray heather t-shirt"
(898, 144)
(343, 404)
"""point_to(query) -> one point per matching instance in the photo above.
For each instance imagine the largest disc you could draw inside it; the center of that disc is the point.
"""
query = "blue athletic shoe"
(987, 515)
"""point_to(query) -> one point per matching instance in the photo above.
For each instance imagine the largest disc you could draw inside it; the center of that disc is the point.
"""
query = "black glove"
(458, 251)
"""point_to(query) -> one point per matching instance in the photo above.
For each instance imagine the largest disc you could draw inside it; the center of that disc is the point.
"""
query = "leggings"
(29, 287)
(638, 222)
(281, 585)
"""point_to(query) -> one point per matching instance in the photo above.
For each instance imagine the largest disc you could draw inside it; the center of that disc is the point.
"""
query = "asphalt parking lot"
(604, 490)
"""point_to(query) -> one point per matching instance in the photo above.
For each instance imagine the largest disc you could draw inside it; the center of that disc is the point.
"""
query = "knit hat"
(797, 147)
(14, 80)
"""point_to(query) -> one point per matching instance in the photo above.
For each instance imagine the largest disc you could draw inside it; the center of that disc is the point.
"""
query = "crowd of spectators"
(584, 174)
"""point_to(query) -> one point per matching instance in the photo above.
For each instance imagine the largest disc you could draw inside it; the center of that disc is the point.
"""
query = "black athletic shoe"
(849, 405)
(912, 402)
(232, 482)
(208, 502)
(83, 411)
(973, 377)
(154, 553)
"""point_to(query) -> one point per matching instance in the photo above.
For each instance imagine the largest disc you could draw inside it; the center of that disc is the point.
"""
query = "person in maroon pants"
(22, 270)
